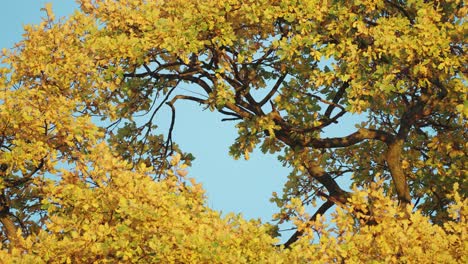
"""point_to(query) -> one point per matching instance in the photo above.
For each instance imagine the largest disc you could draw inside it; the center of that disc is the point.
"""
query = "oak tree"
(84, 179)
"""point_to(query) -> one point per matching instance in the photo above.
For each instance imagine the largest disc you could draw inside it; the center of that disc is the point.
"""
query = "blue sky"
(232, 186)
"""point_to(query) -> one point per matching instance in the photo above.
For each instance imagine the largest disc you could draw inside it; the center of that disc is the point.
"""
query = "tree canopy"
(86, 176)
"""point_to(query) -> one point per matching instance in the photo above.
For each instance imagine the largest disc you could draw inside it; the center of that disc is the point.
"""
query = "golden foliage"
(395, 235)
(79, 189)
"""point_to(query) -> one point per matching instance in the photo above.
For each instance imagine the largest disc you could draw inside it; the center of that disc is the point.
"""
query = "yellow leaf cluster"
(392, 237)
(104, 212)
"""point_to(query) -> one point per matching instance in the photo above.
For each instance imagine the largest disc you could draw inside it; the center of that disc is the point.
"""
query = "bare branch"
(187, 97)
(231, 119)
(273, 90)
(171, 128)
(352, 139)
(336, 99)
(318, 173)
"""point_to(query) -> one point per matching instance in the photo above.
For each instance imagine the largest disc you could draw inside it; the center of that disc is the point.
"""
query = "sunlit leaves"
(392, 239)
(74, 93)
(114, 214)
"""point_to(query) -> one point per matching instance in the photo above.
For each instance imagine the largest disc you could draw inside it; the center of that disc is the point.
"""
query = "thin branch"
(229, 113)
(273, 90)
(200, 82)
(402, 10)
(244, 113)
(171, 128)
(150, 121)
(322, 210)
(187, 97)
(336, 99)
(231, 119)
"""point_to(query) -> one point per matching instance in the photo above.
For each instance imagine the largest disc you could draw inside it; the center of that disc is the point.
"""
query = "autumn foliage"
(86, 175)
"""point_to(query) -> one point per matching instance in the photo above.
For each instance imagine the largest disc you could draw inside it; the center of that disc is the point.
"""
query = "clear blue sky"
(232, 186)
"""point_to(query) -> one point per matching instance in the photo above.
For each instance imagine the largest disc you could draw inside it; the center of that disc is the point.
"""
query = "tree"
(284, 72)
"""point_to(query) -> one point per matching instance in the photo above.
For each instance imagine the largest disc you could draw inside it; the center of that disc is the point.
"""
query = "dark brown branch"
(322, 210)
(318, 173)
(241, 90)
(356, 137)
(150, 122)
(200, 82)
(273, 90)
(246, 106)
(336, 99)
(187, 97)
(324, 122)
(171, 128)
(231, 119)
(137, 75)
(26, 177)
(402, 10)
(244, 113)
(229, 113)
(257, 62)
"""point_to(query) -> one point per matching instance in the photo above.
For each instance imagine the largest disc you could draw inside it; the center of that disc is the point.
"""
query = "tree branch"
(273, 90)
(393, 159)
(318, 173)
(352, 139)
(395, 148)
(402, 10)
(322, 210)
(336, 99)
